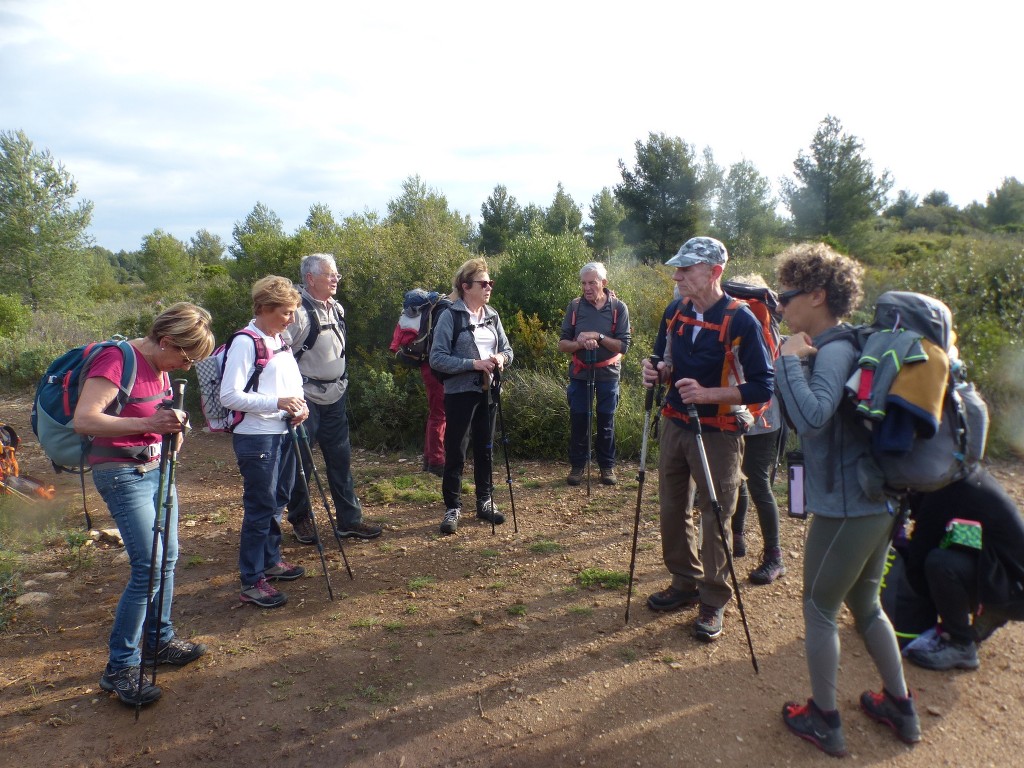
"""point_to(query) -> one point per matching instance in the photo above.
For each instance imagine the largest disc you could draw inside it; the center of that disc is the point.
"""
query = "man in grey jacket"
(319, 343)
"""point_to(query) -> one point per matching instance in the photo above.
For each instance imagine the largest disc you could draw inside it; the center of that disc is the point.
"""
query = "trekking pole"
(649, 398)
(780, 450)
(320, 486)
(504, 446)
(691, 411)
(168, 460)
(312, 517)
(590, 356)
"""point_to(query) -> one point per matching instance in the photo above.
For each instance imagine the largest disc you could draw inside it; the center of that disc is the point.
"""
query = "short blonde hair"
(467, 272)
(273, 291)
(187, 327)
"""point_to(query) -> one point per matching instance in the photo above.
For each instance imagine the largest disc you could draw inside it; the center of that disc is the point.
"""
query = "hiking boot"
(575, 476)
(808, 722)
(176, 651)
(943, 654)
(262, 595)
(362, 531)
(608, 476)
(739, 545)
(487, 511)
(708, 625)
(304, 531)
(450, 521)
(125, 683)
(771, 567)
(284, 572)
(898, 714)
(672, 599)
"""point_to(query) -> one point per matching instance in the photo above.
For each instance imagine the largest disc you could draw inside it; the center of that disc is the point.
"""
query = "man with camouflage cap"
(691, 356)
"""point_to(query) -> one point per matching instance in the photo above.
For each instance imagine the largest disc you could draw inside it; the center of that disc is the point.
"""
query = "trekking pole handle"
(649, 397)
(178, 394)
(691, 411)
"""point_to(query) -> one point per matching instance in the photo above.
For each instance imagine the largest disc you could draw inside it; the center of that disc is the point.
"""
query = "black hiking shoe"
(808, 722)
(362, 531)
(125, 683)
(176, 651)
(672, 599)
(898, 714)
(575, 476)
(708, 625)
(304, 531)
(487, 511)
(771, 567)
(739, 545)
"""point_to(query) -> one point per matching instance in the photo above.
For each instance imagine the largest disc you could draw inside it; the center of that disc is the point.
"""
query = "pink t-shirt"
(149, 384)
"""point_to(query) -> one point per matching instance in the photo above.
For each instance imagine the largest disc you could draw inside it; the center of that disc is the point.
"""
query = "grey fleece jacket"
(832, 443)
(458, 359)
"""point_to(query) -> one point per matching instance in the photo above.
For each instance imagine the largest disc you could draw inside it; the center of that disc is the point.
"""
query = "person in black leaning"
(974, 591)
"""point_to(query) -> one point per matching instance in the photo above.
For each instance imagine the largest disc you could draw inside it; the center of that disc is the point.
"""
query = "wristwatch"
(600, 338)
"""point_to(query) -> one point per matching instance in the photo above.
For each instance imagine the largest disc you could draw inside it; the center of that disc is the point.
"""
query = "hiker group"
(886, 421)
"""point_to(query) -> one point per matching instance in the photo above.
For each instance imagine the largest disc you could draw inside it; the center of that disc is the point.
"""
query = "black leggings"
(953, 583)
(467, 415)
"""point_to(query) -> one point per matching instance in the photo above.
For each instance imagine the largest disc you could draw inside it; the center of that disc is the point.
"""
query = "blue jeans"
(267, 464)
(328, 425)
(607, 395)
(133, 499)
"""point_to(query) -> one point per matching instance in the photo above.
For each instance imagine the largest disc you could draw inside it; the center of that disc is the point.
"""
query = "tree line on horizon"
(60, 289)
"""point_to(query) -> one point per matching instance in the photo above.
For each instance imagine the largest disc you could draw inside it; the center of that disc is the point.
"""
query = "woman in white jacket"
(261, 438)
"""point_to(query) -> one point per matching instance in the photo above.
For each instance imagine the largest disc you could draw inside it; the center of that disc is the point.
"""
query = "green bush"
(15, 317)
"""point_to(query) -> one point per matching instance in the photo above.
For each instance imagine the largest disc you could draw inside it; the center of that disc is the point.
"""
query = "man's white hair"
(594, 266)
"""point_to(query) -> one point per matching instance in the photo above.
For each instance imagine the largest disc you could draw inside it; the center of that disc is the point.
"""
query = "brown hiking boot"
(575, 476)
(608, 476)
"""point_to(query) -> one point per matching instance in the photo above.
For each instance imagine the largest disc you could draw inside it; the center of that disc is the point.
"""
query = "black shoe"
(672, 599)
(808, 722)
(450, 522)
(360, 531)
(898, 714)
(304, 531)
(575, 476)
(487, 511)
(708, 625)
(125, 683)
(176, 651)
(283, 571)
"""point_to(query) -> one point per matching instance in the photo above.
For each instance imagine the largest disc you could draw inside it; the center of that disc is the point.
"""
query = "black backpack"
(338, 327)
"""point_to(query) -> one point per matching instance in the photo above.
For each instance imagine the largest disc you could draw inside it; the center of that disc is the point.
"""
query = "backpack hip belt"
(723, 423)
(578, 365)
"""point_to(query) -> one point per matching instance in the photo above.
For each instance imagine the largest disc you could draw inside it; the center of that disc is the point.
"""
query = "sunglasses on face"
(787, 296)
(484, 283)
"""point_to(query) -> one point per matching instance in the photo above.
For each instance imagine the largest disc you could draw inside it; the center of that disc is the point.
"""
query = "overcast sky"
(182, 116)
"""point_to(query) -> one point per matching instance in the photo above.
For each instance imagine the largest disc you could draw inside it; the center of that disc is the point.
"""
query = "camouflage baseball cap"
(699, 250)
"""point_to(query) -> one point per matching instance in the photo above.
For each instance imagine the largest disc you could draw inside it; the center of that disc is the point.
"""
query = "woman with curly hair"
(849, 534)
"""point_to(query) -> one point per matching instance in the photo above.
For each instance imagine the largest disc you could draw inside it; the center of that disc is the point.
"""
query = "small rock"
(33, 598)
(108, 536)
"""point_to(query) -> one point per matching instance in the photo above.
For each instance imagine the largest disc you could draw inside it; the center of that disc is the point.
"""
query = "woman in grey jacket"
(470, 349)
(849, 534)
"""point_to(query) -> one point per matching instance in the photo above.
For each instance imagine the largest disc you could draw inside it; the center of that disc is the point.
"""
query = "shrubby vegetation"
(972, 258)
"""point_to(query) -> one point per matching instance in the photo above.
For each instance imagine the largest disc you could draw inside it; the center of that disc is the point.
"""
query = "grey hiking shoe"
(708, 625)
(608, 476)
(808, 722)
(942, 654)
(262, 595)
(363, 531)
(125, 683)
(284, 572)
(176, 651)
(575, 476)
(450, 521)
(487, 511)
(898, 714)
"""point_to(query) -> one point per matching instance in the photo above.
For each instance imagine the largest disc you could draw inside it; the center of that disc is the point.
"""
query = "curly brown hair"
(808, 266)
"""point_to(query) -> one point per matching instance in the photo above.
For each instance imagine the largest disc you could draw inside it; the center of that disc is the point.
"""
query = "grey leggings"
(843, 563)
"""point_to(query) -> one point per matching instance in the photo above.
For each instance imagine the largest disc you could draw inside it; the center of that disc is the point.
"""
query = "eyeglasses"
(787, 296)
(484, 283)
(332, 277)
(188, 359)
